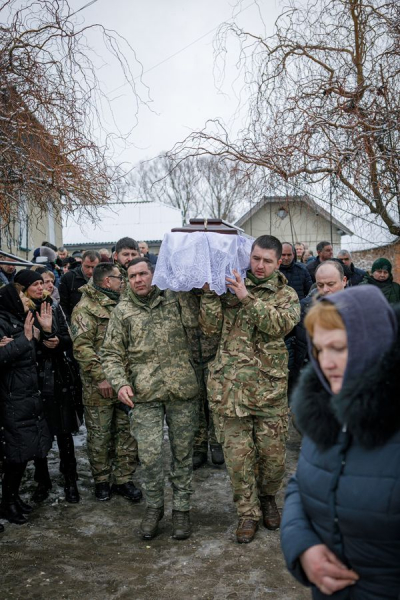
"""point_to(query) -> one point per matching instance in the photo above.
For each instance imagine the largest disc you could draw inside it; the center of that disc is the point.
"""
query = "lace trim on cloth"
(189, 260)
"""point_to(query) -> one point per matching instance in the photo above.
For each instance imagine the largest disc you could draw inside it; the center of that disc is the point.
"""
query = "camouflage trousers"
(255, 452)
(147, 426)
(205, 433)
(112, 450)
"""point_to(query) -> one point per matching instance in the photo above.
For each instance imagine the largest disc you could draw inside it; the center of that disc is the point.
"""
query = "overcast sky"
(183, 88)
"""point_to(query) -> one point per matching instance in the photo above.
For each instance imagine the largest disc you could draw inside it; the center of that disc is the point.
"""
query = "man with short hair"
(74, 279)
(357, 274)
(62, 253)
(144, 249)
(112, 450)
(325, 252)
(7, 272)
(126, 249)
(147, 360)
(330, 278)
(296, 273)
(248, 381)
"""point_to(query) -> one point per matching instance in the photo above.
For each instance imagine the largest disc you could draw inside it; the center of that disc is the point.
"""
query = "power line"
(83, 7)
(182, 49)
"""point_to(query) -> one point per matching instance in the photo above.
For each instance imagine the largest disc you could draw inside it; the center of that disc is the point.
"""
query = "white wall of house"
(302, 224)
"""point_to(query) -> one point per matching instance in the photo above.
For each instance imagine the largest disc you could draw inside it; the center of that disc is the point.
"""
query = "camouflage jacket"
(89, 322)
(203, 347)
(249, 373)
(146, 347)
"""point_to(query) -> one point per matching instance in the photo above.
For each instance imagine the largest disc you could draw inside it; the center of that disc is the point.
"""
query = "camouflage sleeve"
(211, 315)
(276, 317)
(113, 352)
(189, 304)
(83, 333)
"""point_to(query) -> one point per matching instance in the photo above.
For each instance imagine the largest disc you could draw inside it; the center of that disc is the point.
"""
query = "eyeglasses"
(120, 277)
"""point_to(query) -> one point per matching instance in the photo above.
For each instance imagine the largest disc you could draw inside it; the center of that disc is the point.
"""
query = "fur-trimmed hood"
(368, 404)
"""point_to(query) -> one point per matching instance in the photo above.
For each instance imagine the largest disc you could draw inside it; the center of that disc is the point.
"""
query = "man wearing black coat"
(73, 280)
(357, 275)
(325, 252)
(299, 279)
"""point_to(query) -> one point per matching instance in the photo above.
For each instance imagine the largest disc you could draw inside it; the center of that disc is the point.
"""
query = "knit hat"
(382, 263)
(47, 252)
(26, 277)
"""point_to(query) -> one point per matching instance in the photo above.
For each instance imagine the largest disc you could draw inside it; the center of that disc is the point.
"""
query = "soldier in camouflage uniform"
(204, 349)
(248, 381)
(126, 249)
(112, 450)
(147, 360)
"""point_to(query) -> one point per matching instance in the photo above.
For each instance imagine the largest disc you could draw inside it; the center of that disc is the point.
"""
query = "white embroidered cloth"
(189, 260)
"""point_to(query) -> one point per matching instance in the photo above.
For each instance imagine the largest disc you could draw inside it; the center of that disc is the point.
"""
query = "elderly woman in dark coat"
(24, 433)
(341, 520)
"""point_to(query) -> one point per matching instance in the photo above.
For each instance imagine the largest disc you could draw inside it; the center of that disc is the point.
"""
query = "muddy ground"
(93, 550)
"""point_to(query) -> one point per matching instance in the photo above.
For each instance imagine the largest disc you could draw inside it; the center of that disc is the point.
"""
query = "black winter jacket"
(298, 278)
(24, 433)
(357, 275)
(69, 287)
(346, 493)
(58, 379)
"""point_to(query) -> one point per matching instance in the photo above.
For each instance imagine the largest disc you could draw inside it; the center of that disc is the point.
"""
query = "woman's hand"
(51, 342)
(28, 326)
(45, 317)
(325, 570)
(5, 340)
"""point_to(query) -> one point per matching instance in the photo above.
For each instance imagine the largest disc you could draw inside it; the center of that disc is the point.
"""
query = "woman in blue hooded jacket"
(341, 519)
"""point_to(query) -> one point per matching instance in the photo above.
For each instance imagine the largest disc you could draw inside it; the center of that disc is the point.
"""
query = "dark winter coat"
(69, 289)
(389, 288)
(346, 492)
(312, 267)
(24, 433)
(298, 278)
(356, 277)
(58, 379)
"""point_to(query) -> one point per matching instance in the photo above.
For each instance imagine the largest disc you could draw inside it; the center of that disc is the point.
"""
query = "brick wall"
(364, 258)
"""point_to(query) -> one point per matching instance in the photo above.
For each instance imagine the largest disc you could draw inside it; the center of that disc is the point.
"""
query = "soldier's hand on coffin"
(237, 285)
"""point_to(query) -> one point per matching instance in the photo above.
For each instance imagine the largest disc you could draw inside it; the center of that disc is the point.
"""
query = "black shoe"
(128, 490)
(199, 459)
(1, 528)
(149, 524)
(23, 506)
(41, 492)
(12, 513)
(181, 525)
(102, 491)
(71, 490)
(217, 454)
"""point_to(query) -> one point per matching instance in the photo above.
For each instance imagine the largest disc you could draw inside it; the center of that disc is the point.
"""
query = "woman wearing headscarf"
(341, 520)
(24, 433)
(382, 278)
(57, 385)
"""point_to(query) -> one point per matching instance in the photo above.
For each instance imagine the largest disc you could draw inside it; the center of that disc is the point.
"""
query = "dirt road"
(93, 551)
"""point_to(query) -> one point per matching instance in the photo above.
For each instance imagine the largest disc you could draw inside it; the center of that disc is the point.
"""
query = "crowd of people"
(88, 337)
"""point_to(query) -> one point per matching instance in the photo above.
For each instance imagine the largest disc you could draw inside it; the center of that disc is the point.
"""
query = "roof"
(316, 208)
(139, 220)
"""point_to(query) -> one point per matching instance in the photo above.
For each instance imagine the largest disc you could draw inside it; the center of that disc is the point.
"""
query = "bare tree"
(50, 100)
(324, 105)
(205, 186)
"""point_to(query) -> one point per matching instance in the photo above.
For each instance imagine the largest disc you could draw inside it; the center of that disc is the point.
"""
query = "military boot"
(271, 516)
(217, 454)
(181, 524)
(199, 459)
(246, 530)
(149, 524)
(71, 489)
